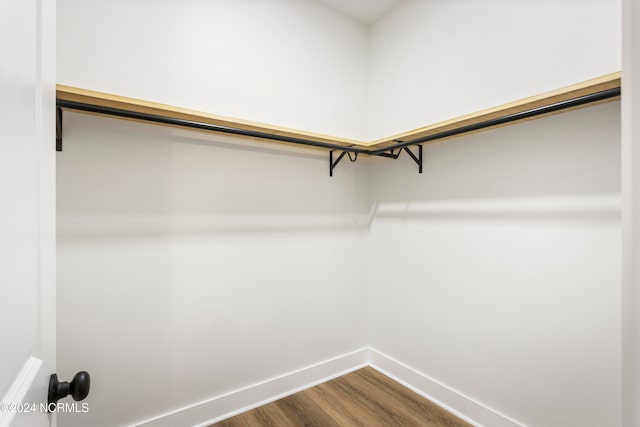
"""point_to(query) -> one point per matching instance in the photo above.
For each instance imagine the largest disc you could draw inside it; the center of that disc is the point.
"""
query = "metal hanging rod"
(562, 105)
(388, 152)
(99, 109)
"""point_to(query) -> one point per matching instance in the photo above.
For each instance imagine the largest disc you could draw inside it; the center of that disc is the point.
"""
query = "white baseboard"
(453, 401)
(227, 405)
(224, 406)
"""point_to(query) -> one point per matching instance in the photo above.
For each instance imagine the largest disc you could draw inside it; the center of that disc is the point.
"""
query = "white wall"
(293, 63)
(224, 267)
(189, 267)
(433, 60)
(202, 264)
(497, 271)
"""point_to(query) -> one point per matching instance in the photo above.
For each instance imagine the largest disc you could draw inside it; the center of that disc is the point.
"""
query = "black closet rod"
(562, 105)
(99, 109)
(569, 103)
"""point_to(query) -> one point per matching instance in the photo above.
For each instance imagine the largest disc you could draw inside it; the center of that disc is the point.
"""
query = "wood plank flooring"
(364, 398)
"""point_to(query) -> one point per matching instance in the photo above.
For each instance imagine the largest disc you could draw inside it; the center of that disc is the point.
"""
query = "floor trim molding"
(221, 407)
(452, 400)
(224, 406)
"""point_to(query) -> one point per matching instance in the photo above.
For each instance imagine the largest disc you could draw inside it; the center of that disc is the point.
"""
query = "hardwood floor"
(363, 398)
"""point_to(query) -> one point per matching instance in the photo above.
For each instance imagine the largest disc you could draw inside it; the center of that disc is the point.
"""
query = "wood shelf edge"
(587, 87)
(101, 99)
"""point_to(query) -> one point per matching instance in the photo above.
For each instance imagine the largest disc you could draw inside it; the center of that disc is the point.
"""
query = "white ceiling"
(366, 11)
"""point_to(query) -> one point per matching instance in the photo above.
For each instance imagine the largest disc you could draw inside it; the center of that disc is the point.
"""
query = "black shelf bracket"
(58, 129)
(333, 164)
(393, 154)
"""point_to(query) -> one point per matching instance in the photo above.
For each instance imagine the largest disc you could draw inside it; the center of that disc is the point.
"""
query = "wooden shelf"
(106, 102)
(589, 87)
(100, 99)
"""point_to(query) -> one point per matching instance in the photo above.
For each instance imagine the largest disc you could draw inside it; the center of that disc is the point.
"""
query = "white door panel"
(27, 207)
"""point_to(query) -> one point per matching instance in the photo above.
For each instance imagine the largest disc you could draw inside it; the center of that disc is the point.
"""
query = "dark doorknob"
(78, 388)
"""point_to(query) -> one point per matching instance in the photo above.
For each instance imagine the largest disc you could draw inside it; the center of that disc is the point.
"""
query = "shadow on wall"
(596, 208)
(199, 266)
(121, 178)
(572, 154)
(140, 179)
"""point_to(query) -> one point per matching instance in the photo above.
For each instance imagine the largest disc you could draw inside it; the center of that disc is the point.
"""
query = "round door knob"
(78, 388)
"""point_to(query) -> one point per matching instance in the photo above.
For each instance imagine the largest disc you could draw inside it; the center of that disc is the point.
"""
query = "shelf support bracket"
(333, 164)
(393, 154)
(417, 159)
(58, 129)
